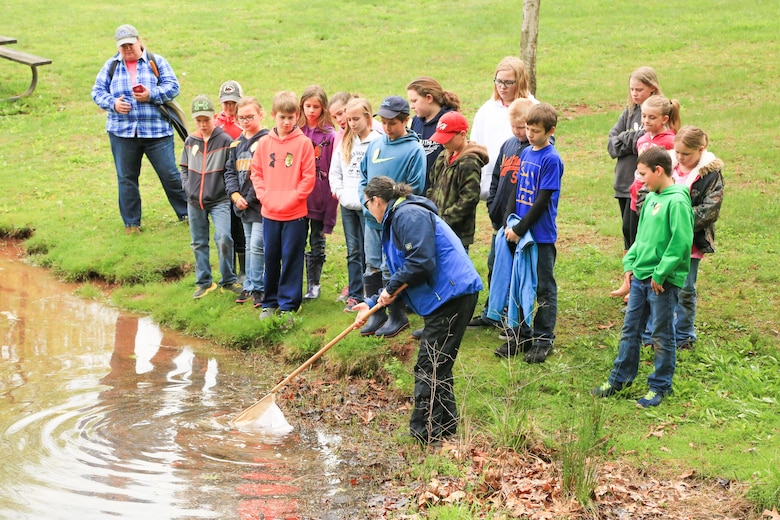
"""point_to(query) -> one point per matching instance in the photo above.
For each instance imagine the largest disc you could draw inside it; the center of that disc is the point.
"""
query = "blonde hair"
(340, 97)
(349, 136)
(426, 85)
(518, 109)
(250, 100)
(692, 137)
(318, 93)
(646, 76)
(517, 67)
(667, 107)
(285, 102)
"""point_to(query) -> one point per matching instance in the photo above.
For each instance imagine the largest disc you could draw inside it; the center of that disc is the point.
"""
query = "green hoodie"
(663, 241)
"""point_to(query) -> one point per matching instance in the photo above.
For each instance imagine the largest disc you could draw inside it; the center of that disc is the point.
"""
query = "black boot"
(372, 284)
(396, 322)
(313, 274)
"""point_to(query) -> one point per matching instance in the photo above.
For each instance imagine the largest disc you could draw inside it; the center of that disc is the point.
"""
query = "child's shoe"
(539, 353)
(268, 312)
(202, 291)
(651, 398)
(351, 304)
(243, 297)
(257, 299)
(606, 389)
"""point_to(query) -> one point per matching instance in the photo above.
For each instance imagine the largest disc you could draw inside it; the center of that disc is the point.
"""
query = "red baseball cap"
(449, 124)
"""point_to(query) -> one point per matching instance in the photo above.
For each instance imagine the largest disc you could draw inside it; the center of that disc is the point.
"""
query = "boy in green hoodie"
(656, 266)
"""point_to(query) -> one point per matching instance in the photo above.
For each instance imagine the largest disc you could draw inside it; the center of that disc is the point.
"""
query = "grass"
(719, 59)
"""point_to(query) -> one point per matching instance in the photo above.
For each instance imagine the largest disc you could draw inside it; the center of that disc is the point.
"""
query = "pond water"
(104, 414)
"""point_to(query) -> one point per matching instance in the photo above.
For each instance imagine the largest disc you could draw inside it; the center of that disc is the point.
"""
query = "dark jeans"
(435, 414)
(128, 153)
(546, 316)
(316, 239)
(285, 243)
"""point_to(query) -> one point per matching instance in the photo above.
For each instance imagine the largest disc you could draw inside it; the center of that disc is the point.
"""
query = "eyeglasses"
(504, 82)
(365, 204)
(246, 118)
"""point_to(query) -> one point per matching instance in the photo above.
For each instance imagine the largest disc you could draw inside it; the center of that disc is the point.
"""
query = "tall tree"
(529, 34)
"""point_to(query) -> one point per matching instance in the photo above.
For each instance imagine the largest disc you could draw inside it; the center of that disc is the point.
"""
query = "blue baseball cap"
(392, 106)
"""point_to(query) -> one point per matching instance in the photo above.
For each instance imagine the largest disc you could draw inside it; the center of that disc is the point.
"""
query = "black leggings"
(630, 222)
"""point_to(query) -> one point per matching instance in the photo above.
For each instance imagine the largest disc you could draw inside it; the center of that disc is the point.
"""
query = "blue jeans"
(285, 243)
(642, 303)
(354, 223)
(255, 263)
(128, 153)
(684, 312)
(199, 231)
(375, 258)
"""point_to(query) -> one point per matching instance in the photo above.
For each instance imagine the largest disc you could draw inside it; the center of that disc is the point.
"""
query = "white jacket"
(345, 176)
(491, 128)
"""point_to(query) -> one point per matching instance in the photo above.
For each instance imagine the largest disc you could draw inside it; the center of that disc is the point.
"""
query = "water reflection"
(105, 414)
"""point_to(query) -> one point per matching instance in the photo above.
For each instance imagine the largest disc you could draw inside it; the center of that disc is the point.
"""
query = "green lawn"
(719, 59)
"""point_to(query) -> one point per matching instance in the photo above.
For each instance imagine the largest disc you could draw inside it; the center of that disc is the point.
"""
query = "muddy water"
(104, 414)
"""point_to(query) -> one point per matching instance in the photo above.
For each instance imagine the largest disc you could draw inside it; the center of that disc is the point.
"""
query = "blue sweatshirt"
(403, 160)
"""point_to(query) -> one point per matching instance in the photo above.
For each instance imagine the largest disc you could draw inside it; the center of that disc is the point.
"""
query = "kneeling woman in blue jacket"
(422, 251)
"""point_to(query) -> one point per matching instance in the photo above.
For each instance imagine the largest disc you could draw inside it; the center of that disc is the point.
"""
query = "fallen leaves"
(528, 485)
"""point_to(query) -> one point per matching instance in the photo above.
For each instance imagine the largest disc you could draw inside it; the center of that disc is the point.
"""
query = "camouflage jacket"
(454, 189)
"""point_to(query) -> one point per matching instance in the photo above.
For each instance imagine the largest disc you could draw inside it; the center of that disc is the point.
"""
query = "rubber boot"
(396, 322)
(241, 267)
(313, 273)
(372, 284)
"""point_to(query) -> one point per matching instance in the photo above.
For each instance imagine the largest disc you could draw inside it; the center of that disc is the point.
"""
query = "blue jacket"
(514, 281)
(425, 253)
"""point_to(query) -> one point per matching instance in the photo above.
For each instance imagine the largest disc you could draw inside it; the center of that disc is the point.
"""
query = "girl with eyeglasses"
(241, 191)
(491, 126)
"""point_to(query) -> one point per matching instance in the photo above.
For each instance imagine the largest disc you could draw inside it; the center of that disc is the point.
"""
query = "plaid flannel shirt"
(144, 120)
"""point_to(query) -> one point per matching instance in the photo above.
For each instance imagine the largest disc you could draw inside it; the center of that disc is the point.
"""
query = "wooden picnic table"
(24, 58)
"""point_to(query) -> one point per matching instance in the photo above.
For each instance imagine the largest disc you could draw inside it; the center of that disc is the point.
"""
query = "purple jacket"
(321, 204)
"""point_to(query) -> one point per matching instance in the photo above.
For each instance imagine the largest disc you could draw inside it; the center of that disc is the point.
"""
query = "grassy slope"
(719, 59)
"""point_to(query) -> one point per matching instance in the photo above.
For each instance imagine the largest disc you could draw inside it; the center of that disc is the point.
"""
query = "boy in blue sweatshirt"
(656, 266)
(400, 156)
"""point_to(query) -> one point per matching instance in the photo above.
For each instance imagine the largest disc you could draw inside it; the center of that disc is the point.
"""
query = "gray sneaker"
(202, 291)
(268, 312)
(234, 287)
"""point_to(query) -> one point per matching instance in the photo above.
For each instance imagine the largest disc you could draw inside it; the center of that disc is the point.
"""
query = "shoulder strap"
(152, 64)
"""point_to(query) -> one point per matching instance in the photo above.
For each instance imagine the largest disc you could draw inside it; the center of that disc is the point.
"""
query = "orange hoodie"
(283, 174)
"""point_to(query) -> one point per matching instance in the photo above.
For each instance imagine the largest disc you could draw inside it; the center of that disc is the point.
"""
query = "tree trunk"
(529, 34)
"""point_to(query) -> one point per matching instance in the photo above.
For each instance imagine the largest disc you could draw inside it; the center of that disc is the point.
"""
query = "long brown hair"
(426, 85)
(317, 92)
